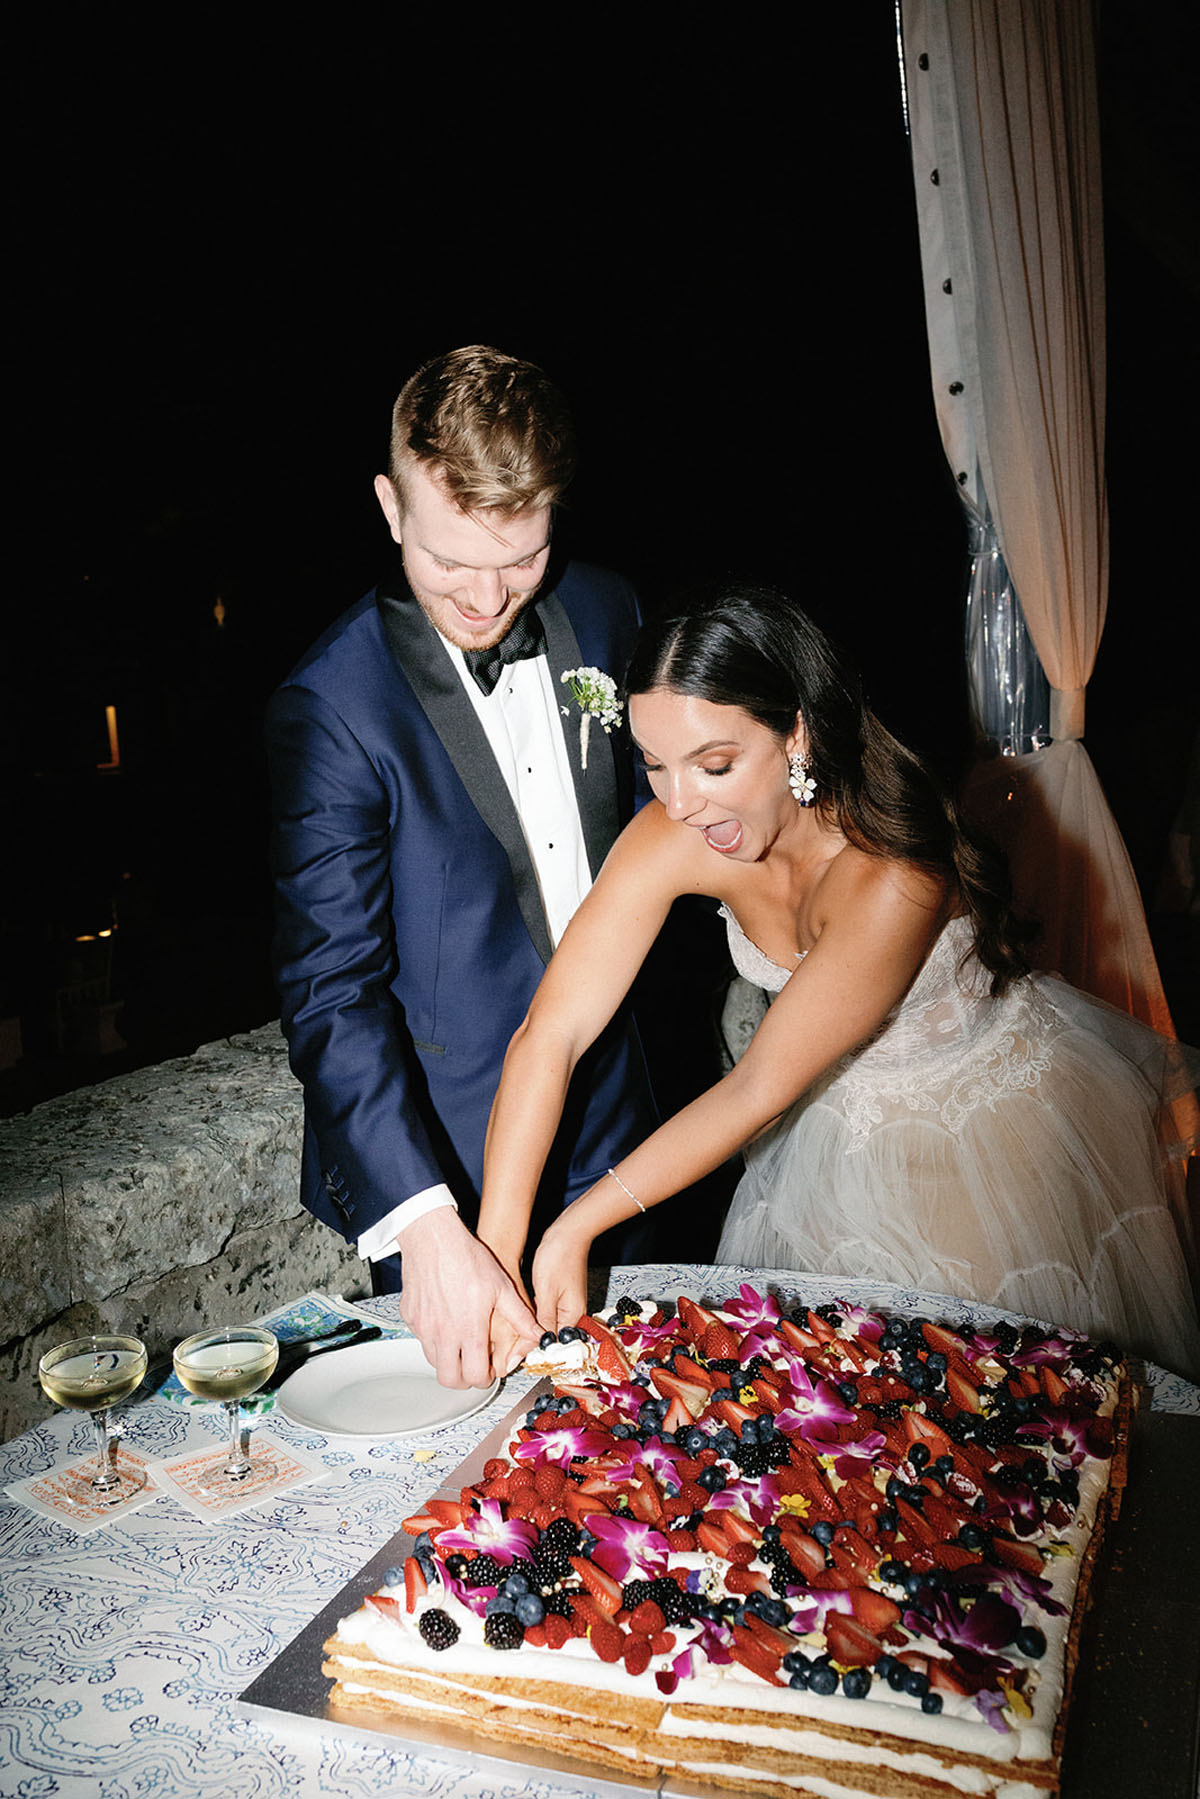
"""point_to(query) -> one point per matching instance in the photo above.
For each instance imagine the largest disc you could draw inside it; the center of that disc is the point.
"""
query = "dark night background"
(229, 255)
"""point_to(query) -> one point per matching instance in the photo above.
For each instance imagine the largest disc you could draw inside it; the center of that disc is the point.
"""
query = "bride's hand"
(560, 1275)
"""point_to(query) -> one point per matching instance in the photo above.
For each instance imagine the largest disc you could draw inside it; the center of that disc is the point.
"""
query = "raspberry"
(544, 1513)
(499, 1487)
(647, 1618)
(741, 1555)
(683, 1542)
(606, 1640)
(536, 1636)
(523, 1504)
(662, 1642)
(521, 1477)
(550, 1482)
(558, 1630)
(494, 1468)
(637, 1654)
(546, 1421)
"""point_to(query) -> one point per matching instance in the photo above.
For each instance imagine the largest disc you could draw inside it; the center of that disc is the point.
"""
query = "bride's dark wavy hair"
(754, 648)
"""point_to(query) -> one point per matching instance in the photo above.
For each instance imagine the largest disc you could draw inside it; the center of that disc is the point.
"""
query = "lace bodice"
(750, 961)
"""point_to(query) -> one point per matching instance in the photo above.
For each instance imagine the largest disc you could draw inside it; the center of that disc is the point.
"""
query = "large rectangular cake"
(833, 1552)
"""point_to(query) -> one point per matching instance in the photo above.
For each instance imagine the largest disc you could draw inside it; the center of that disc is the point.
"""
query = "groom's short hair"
(495, 430)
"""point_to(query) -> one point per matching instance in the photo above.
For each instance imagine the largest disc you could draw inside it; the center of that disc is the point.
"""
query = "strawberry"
(415, 1584)
(945, 1678)
(710, 1536)
(852, 1554)
(694, 1318)
(739, 1529)
(1054, 1385)
(385, 1605)
(755, 1655)
(678, 1417)
(645, 1501)
(921, 1429)
(740, 1555)
(746, 1580)
(850, 1642)
(558, 1631)
(807, 1554)
(875, 1610)
(421, 1522)
(601, 1585)
(692, 1393)
(951, 1556)
(801, 1340)
(579, 1506)
(733, 1412)
(611, 1359)
(964, 1394)
(944, 1340)
(913, 1527)
(766, 1391)
(1027, 1557)
(821, 1328)
(718, 1343)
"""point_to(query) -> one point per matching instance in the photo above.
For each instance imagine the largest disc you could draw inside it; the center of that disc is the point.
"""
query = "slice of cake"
(834, 1552)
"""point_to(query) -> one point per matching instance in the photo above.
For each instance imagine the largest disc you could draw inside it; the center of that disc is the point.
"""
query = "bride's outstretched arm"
(589, 975)
(877, 929)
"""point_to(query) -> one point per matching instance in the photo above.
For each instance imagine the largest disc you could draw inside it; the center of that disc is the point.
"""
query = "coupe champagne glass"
(228, 1365)
(91, 1374)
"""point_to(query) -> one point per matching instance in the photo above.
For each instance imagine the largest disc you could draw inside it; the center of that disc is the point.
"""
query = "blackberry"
(635, 1591)
(626, 1310)
(438, 1629)
(483, 1571)
(1007, 1336)
(830, 1314)
(558, 1603)
(887, 1408)
(677, 1607)
(562, 1535)
(725, 1364)
(503, 1630)
(456, 1566)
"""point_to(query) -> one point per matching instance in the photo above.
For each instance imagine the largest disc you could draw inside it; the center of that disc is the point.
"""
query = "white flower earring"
(802, 784)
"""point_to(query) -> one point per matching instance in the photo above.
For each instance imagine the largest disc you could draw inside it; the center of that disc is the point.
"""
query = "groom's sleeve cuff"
(382, 1238)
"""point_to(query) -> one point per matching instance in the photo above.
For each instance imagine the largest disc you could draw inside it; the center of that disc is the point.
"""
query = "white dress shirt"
(521, 721)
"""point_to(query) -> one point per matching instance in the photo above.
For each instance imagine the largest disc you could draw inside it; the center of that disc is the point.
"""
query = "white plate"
(383, 1389)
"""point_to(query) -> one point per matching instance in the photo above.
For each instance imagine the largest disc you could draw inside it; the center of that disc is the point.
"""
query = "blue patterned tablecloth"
(122, 1653)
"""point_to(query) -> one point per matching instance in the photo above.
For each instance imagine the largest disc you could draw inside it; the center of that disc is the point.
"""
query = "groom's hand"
(469, 1318)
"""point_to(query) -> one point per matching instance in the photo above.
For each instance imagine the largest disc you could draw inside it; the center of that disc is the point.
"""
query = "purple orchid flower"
(1071, 1440)
(1057, 1349)
(560, 1444)
(661, 1458)
(757, 1499)
(752, 1309)
(489, 1532)
(816, 1409)
(863, 1324)
(625, 1544)
(988, 1624)
(1017, 1586)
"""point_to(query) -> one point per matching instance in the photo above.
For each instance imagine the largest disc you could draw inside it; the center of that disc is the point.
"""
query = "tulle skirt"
(1011, 1151)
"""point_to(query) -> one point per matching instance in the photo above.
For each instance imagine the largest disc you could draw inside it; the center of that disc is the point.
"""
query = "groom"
(435, 829)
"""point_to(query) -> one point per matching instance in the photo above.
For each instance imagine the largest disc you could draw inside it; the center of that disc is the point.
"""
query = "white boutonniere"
(595, 693)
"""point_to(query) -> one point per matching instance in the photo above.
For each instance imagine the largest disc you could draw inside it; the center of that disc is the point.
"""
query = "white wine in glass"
(228, 1365)
(90, 1374)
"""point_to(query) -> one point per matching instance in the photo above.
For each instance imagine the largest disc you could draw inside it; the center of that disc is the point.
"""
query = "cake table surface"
(125, 1652)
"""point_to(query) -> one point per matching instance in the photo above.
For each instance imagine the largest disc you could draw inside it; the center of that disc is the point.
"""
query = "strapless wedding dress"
(1012, 1150)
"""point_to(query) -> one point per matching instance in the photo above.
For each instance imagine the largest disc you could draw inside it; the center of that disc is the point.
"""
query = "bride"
(915, 1106)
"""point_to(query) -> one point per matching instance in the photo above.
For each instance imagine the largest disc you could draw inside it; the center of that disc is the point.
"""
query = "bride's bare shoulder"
(660, 850)
(882, 888)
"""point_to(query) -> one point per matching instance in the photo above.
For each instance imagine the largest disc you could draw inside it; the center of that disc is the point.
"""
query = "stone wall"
(160, 1203)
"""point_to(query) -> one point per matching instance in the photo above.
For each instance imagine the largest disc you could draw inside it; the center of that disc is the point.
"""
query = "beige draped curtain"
(1001, 96)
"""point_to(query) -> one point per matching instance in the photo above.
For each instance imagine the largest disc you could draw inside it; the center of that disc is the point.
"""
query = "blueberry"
(822, 1530)
(822, 1679)
(883, 1667)
(918, 1455)
(848, 1391)
(936, 1362)
(546, 1339)
(856, 1683)
(931, 1702)
(530, 1610)
(897, 1677)
(1031, 1641)
(773, 1611)
(694, 1439)
(393, 1577)
(711, 1479)
(916, 1683)
(972, 1537)
(886, 1519)
(622, 1431)
(516, 1585)
(794, 1660)
(892, 1570)
(499, 1603)
(799, 1679)
(771, 1533)
(749, 1431)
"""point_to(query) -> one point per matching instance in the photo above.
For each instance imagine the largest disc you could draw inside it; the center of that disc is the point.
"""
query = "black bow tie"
(521, 644)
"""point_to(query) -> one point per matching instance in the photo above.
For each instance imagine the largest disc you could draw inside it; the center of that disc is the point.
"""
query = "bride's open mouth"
(725, 837)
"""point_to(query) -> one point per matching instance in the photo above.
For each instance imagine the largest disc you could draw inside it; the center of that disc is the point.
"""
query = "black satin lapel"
(437, 686)
(595, 786)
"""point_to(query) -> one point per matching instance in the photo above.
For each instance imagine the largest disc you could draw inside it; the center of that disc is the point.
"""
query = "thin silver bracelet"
(633, 1196)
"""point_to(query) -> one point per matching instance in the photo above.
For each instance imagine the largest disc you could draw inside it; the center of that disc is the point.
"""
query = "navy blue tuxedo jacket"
(410, 931)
